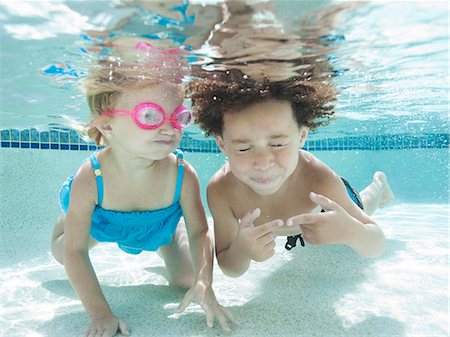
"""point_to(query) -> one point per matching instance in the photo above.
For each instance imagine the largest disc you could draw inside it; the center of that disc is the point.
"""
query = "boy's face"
(262, 143)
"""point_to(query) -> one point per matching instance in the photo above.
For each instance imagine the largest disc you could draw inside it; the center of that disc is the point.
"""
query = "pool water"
(390, 65)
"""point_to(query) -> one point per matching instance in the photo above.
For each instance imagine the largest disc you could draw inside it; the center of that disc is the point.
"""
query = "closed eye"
(278, 145)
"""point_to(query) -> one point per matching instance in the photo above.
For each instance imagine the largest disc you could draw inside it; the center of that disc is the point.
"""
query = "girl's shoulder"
(190, 174)
(84, 179)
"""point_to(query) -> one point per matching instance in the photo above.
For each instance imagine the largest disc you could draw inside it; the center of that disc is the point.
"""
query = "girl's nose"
(167, 127)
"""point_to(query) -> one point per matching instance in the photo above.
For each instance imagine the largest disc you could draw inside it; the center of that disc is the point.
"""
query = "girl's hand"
(204, 295)
(106, 327)
(334, 225)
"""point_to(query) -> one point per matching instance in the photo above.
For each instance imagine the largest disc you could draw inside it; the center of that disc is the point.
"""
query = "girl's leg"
(58, 240)
(177, 258)
(377, 194)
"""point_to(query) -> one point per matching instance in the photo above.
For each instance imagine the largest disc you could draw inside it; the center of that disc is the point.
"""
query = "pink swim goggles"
(149, 116)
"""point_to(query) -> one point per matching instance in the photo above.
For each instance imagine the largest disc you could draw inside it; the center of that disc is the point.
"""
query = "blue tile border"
(70, 140)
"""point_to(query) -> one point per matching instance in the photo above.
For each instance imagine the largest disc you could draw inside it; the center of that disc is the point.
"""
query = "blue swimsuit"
(133, 231)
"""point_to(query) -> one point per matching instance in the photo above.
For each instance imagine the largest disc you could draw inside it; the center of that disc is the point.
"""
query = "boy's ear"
(303, 135)
(221, 144)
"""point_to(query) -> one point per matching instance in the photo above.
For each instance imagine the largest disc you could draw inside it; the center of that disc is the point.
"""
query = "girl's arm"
(201, 248)
(83, 198)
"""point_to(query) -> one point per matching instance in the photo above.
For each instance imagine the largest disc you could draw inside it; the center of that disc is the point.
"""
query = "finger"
(248, 219)
(209, 315)
(268, 255)
(268, 227)
(91, 333)
(311, 239)
(324, 202)
(270, 245)
(229, 315)
(303, 219)
(223, 322)
(123, 327)
(308, 235)
(187, 299)
(266, 240)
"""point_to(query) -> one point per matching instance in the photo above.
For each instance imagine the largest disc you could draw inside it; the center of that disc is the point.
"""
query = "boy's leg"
(177, 258)
(58, 240)
(377, 194)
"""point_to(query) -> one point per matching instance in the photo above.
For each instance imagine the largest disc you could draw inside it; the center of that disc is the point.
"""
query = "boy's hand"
(107, 327)
(331, 226)
(204, 295)
(257, 242)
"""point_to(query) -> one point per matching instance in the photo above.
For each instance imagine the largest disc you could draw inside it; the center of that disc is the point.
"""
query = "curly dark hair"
(211, 99)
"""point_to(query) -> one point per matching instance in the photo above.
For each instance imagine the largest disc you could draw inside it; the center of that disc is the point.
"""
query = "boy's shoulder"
(314, 170)
(319, 175)
(221, 177)
(221, 182)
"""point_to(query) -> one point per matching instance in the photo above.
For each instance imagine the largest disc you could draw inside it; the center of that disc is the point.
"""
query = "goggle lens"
(150, 117)
(184, 118)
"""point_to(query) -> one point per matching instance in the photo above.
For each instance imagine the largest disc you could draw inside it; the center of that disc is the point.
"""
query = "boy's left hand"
(334, 225)
(204, 295)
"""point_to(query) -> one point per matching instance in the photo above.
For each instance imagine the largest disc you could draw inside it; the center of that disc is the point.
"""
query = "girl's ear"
(103, 125)
(221, 144)
(303, 135)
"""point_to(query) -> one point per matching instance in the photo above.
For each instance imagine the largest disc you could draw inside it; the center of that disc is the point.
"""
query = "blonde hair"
(114, 75)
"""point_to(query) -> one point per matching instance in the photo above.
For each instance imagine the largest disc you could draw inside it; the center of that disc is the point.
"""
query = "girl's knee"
(57, 244)
(57, 250)
(184, 280)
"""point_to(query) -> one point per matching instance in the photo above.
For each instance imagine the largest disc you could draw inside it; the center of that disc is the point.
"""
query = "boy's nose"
(263, 161)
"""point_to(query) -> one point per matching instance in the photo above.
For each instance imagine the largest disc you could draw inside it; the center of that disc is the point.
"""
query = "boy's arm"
(363, 234)
(76, 258)
(200, 244)
(342, 222)
(238, 241)
(232, 261)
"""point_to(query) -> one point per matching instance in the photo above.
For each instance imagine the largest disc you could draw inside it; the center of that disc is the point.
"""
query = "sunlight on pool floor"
(409, 283)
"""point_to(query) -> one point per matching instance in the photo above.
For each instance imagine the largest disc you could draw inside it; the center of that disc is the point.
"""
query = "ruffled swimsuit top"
(132, 231)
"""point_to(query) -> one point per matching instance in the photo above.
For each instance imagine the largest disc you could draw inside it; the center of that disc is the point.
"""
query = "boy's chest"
(273, 208)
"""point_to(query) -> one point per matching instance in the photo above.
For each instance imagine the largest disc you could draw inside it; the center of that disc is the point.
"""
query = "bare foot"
(387, 196)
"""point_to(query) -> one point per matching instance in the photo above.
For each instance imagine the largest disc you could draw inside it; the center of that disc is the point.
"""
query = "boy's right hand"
(107, 327)
(257, 242)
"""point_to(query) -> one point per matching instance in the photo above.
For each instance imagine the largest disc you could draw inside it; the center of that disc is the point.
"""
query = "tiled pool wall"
(71, 140)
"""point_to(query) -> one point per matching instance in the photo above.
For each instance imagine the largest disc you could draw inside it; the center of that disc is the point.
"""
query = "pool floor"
(311, 291)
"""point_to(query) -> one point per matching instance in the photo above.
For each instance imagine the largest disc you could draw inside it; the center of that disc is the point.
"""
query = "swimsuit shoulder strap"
(180, 162)
(98, 177)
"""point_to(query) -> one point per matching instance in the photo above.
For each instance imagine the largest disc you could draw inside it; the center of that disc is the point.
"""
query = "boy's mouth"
(262, 180)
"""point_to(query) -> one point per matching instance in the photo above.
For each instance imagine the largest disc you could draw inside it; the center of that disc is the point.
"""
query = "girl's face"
(262, 143)
(155, 143)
